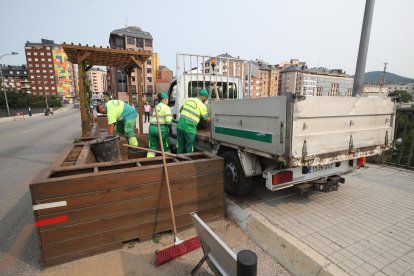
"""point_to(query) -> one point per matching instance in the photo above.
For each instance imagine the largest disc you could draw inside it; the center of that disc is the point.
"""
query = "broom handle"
(166, 172)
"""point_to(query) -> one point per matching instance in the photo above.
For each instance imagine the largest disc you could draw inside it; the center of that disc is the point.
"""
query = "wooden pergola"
(126, 60)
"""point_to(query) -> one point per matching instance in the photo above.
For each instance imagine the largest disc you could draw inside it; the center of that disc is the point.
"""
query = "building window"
(47, 48)
(150, 79)
(42, 59)
(149, 70)
(36, 65)
(35, 53)
(148, 42)
(119, 42)
(133, 78)
(32, 77)
(48, 54)
(44, 71)
(49, 59)
(37, 71)
(36, 59)
(149, 62)
(139, 42)
(34, 87)
(42, 54)
(29, 53)
(50, 71)
(53, 88)
(11, 72)
(29, 59)
(131, 40)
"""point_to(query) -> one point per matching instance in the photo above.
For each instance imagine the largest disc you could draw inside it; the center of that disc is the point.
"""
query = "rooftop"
(132, 31)
(43, 42)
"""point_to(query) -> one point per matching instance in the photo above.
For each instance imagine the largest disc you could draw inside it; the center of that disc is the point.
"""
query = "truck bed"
(311, 131)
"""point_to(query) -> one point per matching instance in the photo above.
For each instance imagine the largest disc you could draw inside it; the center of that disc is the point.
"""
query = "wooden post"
(139, 64)
(85, 126)
(140, 106)
(129, 86)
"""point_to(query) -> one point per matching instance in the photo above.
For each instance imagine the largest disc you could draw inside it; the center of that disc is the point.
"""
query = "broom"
(179, 247)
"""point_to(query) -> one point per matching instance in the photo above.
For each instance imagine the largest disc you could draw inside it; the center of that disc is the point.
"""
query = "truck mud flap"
(329, 184)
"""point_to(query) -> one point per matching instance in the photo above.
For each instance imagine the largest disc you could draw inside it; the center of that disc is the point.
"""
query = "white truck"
(289, 140)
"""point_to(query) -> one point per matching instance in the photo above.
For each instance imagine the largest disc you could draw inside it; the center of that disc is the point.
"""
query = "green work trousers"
(154, 140)
(126, 127)
(185, 141)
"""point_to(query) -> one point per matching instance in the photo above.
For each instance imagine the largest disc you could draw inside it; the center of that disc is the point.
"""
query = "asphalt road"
(27, 147)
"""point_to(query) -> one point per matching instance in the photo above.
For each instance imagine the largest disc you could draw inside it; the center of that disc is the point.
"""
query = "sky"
(323, 33)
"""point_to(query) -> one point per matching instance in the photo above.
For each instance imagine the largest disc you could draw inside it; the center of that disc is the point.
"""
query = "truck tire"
(235, 181)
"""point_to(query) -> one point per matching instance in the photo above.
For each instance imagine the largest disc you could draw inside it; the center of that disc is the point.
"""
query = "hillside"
(375, 76)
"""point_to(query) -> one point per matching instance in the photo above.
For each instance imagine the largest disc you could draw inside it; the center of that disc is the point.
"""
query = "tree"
(401, 95)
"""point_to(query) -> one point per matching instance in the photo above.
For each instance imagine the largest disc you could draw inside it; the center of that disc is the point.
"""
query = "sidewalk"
(364, 228)
(27, 117)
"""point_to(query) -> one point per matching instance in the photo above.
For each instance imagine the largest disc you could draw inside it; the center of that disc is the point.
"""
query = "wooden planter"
(88, 209)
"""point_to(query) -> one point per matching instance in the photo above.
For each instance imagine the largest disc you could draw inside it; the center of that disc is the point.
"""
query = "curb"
(297, 257)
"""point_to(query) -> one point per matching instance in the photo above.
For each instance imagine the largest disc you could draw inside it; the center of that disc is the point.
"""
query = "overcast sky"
(321, 32)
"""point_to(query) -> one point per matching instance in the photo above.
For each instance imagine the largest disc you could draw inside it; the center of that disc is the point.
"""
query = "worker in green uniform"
(123, 116)
(165, 119)
(190, 113)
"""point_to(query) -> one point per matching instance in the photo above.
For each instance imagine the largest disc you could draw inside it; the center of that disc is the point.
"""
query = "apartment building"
(15, 78)
(163, 80)
(409, 87)
(315, 81)
(268, 78)
(132, 38)
(374, 90)
(50, 72)
(97, 78)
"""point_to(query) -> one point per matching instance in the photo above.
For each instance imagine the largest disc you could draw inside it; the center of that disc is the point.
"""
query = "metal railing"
(401, 152)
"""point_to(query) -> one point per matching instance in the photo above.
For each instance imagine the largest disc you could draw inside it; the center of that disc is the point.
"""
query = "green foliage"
(23, 100)
(401, 95)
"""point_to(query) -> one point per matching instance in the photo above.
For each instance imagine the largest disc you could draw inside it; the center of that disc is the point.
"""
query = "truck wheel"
(235, 181)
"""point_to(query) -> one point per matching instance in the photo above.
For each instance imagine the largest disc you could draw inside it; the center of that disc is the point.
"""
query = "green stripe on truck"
(251, 135)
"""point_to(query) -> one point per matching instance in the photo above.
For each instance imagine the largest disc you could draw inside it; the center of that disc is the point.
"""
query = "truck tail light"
(361, 161)
(282, 177)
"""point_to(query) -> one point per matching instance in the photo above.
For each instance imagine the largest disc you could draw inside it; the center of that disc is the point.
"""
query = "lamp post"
(2, 81)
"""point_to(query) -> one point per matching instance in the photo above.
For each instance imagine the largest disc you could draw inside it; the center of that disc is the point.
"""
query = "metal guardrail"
(401, 153)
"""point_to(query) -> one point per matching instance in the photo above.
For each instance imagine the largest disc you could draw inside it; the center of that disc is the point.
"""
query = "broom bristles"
(165, 255)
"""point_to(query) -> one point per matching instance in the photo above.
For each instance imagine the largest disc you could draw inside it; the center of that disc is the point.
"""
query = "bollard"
(246, 263)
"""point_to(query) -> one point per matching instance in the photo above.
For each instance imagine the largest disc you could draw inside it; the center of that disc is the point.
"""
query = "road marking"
(18, 245)
(49, 205)
(27, 131)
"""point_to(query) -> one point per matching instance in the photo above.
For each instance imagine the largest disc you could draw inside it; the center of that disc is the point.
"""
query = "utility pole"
(363, 48)
(383, 74)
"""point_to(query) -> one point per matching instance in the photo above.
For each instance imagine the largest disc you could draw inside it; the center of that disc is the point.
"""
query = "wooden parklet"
(110, 203)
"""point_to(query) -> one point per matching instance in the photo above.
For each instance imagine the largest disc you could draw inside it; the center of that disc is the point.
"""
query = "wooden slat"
(106, 196)
(81, 254)
(122, 234)
(128, 206)
(89, 182)
(87, 228)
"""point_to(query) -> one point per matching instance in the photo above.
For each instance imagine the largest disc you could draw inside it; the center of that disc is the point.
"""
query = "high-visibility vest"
(164, 114)
(193, 109)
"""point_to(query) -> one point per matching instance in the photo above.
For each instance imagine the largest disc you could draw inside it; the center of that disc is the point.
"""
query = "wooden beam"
(137, 62)
(85, 126)
(82, 57)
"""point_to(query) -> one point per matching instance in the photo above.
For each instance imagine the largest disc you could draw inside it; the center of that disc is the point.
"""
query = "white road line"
(49, 205)
(27, 131)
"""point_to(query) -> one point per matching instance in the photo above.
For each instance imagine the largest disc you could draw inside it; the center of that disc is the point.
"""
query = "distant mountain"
(375, 76)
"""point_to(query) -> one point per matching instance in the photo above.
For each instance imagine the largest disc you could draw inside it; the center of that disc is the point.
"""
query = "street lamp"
(2, 81)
